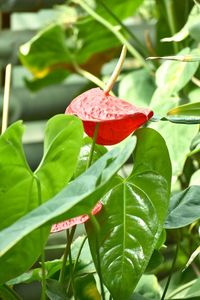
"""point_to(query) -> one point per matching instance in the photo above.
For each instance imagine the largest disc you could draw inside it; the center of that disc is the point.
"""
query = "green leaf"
(84, 155)
(62, 143)
(131, 87)
(178, 139)
(191, 27)
(155, 260)
(132, 218)
(117, 7)
(62, 133)
(45, 50)
(7, 293)
(55, 291)
(171, 77)
(184, 208)
(56, 76)
(185, 114)
(86, 289)
(77, 198)
(148, 287)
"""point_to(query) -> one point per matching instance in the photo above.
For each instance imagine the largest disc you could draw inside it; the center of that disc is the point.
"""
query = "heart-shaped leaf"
(19, 190)
(76, 198)
(132, 218)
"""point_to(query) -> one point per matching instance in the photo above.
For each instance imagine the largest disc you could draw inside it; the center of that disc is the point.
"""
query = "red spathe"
(117, 118)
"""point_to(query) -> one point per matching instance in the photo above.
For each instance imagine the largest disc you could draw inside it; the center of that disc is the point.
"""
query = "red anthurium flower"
(117, 118)
(75, 221)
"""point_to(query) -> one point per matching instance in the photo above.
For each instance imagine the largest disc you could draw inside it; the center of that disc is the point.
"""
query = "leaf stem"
(71, 281)
(171, 271)
(89, 76)
(43, 295)
(116, 71)
(97, 229)
(115, 31)
(130, 33)
(93, 145)
(6, 98)
(65, 256)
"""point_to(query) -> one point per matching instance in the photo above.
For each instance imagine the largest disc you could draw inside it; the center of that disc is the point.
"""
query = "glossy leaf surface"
(21, 188)
(132, 218)
(184, 208)
(81, 195)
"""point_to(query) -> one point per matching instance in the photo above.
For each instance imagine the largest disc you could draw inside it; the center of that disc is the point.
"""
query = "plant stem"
(12, 292)
(66, 253)
(116, 71)
(93, 145)
(89, 76)
(97, 229)
(71, 281)
(171, 271)
(181, 288)
(130, 33)
(79, 253)
(6, 98)
(115, 31)
(169, 5)
(43, 295)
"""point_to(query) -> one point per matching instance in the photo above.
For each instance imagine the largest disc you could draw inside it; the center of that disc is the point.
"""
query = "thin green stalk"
(43, 295)
(93, 145)
(79, 253)
(130, 33)
(169, 6)
(181, 288)
(71, 281)
(65, 256)
(115, 31)
(97, 229)
(11, 292)
(171, 272)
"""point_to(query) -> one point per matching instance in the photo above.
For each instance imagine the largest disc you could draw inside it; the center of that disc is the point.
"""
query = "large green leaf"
(184, 208)
(185, 114)
(178, 139)
(20, 187)
(45, 50)
(131, 87)
(171, 77)
(191, 27)
(132, 218)
(77, 198)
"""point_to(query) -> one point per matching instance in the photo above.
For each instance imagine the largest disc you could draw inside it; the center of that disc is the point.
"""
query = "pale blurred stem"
(169, 6)
(89, 76)
(97, 231)
(130, 33)
(115, 31)
(116, 71)
(93, 145)
(65, 256)
(6, 98)
(171, 270)
(42, 257)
